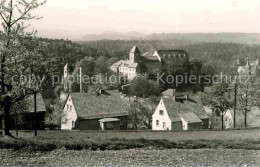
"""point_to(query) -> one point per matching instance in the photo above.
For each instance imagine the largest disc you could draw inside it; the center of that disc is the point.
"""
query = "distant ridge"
(243, 38)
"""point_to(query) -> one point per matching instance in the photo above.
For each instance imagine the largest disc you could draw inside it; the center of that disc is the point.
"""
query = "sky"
(72, 19)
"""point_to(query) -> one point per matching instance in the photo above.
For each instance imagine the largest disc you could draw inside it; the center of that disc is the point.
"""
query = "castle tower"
(65, 77)
(134, 55)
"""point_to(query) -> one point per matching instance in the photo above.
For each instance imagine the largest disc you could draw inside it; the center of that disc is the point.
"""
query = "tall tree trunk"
(35, 115)
(222, 120)
(245, 119)
(6, 116)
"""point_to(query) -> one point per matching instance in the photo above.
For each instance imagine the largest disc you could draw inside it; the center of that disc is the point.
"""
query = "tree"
(139, 115)
(23, 55)
(87, 64)
(142, 87)
(100, 65)
(221, 98)
(247, 94)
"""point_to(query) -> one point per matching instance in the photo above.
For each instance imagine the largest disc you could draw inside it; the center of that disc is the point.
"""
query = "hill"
(243, 38)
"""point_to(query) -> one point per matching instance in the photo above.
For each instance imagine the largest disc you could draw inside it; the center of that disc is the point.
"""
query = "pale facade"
(69, 117)
(161, 119)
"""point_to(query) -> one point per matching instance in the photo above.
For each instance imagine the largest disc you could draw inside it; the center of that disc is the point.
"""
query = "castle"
(146, 63)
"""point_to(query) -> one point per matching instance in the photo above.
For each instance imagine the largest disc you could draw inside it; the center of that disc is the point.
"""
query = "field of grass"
(252, 134)
(121, 140)
(132, 157)
(132, 148)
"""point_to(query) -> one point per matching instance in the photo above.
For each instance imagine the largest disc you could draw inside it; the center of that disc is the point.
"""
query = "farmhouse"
(173, 115)
(94, 111)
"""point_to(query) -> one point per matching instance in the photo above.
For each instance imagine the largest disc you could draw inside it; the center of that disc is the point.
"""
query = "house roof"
(40, 105)
(175, 108)
(149, 56)
(133, 65)
(109, 120)
(172, 53)
(171, 93)
(89, 106)
(190, 117)
(118, 63)
(135, 50)
(172, 109)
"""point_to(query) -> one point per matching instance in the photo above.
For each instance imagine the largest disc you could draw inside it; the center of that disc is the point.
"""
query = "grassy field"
(132, 148)
(121, 140)
(132, 157)
(253, 134)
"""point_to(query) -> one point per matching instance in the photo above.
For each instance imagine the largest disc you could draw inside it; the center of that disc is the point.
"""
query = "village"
(93, 107)
(129, 83)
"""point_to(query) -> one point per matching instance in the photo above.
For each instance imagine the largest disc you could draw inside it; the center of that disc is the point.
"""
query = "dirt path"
(135, 157)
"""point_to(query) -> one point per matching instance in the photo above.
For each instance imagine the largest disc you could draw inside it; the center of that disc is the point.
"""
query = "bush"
(17, 144)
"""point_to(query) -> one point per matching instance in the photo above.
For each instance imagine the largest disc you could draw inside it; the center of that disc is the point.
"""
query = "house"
(26, 115)
(103, 110)
(174, 115)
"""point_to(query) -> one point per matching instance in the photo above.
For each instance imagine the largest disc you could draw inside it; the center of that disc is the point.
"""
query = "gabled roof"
(172, 92)
(190, 117)
(133, 65)
(118, 63)
(175, 108)
(149, 56)
(40, 105)
(172, 109)
(135, 50)
(89, 106)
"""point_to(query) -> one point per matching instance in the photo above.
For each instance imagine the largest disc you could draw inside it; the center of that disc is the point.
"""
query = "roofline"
(104, 116)
(66, 101)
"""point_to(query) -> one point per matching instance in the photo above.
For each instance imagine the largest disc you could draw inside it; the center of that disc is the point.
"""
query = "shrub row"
(18, 144)
(122, 144)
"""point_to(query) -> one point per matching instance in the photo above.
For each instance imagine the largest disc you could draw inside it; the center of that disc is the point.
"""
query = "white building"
(172, 115)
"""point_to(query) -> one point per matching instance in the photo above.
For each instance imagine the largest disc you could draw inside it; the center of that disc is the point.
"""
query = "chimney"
(80, 79)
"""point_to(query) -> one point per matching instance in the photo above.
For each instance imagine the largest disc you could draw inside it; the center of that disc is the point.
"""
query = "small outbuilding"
(110, 124)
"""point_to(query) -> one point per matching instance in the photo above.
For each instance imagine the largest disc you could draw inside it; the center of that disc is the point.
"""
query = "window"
(70, 108)
(164, 125)
(109, 125)
(73, 124)
(157, 122)
(64, 120)
(161, 112)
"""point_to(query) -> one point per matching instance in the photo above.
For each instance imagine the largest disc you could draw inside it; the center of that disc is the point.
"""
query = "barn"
(94, 111)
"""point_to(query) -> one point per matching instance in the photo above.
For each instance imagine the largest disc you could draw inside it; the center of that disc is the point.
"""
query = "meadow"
(121, 140)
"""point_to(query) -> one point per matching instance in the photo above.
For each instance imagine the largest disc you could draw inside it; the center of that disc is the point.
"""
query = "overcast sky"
(73, 19)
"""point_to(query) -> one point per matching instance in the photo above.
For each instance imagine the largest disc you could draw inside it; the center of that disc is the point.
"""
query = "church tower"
(65, 77)
(134, 55)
